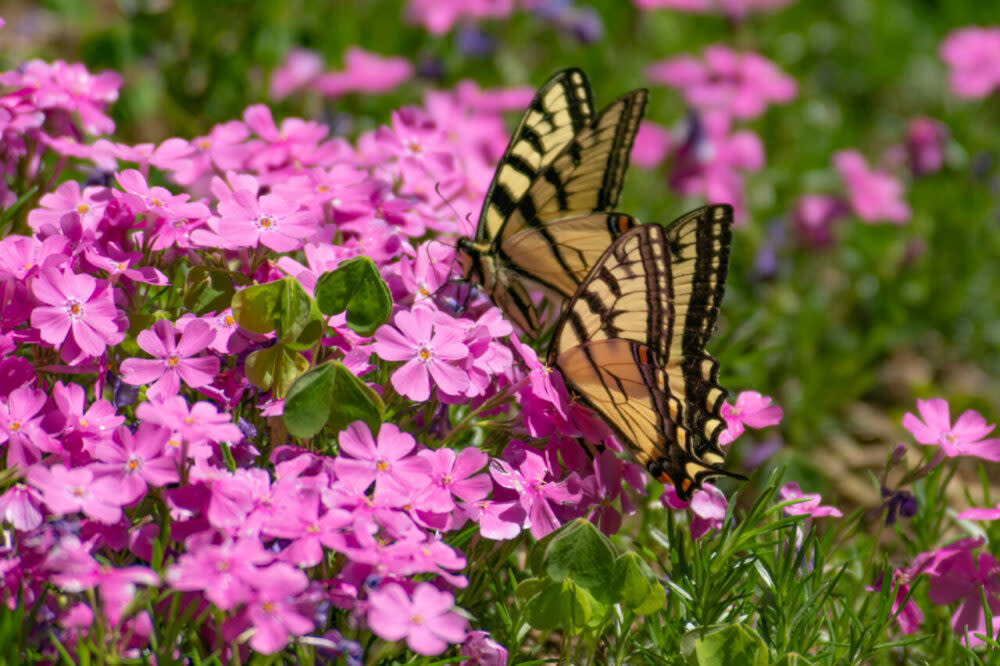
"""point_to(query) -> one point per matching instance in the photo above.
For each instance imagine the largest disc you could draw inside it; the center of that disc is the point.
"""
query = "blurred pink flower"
(175, 360)
(274, 611)
(750, 409)
(980, 514)
(481, 650)
(973, 58)
(227, 572)
(301, 67)
(809, 504)
(875, 195)
(426, 621)
(709, 160)
(741, 84)
(365, 72)
(652, 144)
(427, 349)
(438, 17)
(68, 491)
(965, 438)
(956, 574)
(72, 88)
(21, 418)
(905, 610)
(20, 507)
(814, 216)
(926, 140)
(75, 310)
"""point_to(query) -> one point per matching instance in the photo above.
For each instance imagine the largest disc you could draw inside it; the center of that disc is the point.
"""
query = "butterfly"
(631, 344)
(547, 214)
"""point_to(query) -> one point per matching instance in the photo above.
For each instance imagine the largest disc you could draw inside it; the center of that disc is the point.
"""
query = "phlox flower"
(602, 488)
(530, 479)
(426, 620)
(498, 521)
(750, 409)
(481, 650)
(222, 148)
(905, 611)
(980, 514)
(300, 68)
(742, 84)
(22, 256)
(68, 199)
(973, 58)
(118, 264)
(21, 427)
(68, 491)
(308, 529)
(814, 216)
(427, 349)
(227, 572)
(652, 145)
(156, 201)
(875, 195)
(439, 17)
(454, 475)
(175, 360)
(958, 575)
(196, 423)
(75, 311)
(274, 610)
(424, 274)
(20, 507)
(708, 508)
(809, 504)
(926, 140)
(72, 88)
(365, 72)
(966, 438)
(295, 141)
(135, 461)
(389, 463)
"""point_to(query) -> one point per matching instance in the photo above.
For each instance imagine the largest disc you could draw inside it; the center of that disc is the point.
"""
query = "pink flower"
(965, 438)
(198, 423)
(960, 576)
(246, 220)
(21, 427)
(708, 508)
(905, 610)
(652, 144)
(427, 350)
(20, 507)
(481, 650)
(174, 360)
(536, 491)
(926, 140)
(300, 68)
(973, 58)
(454, 476)
(365, 72)
(76, 311)
(438, 17)
(980, 514)
(874, 195)
(426, 621)
(67, 491)
(751, 409)
(809, 504)
(72, 88)
(226, 573)
(67, 199)
(814, 216)
(157, 201)
(274, 611)
(134, 461)
(295, 141)
(388, 463)
(742, 84)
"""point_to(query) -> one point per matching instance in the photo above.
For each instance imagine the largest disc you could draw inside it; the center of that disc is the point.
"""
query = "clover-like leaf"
(357, 287)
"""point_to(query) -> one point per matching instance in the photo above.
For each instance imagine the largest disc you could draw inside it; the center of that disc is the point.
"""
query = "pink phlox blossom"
(92, 424)
(454, 476)
(175, 360)
(389, 462)
(439, 17)
(905, 611)
(481, 650)
(926, 141)
(23, 256)
(365, 72)
(742, 84)
(21, 421)
(68, 491)
(20, 507)
(196, 423)
(118, 263)
(428, 271)
(136, 461)
(967, 437)
(497, 520)
(531, 479)
(602, 488)
(980, 514)
(814, 216)
(751, 409)
(419, 146)
(294, 142)
(427, 350)
(963, 577)
(275, 610)
(545, 384)
(806, 504)
(426, 620)
(341, 187)
(227, 572)
(652, 145)
(370, 513)
(309, 529)
(68, 199)
(71, 88)
(973, 58)
(875, 195)
(708, 507)
(709, 160)
(222, 149)
(734, 9)
(153, 201)
(300, 68)
(76, 312)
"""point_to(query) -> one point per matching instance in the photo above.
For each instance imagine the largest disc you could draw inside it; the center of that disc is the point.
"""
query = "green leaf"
(724, 645)
(562, 605)
(527, 589)
(330, 394)
(581, 552)
(639, 589)
(312, 331)
(208, 290)
(275, 368)
(282, 306)
(356, 286)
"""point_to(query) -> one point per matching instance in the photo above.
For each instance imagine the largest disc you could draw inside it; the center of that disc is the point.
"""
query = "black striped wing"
(547, 216)
(631, 341)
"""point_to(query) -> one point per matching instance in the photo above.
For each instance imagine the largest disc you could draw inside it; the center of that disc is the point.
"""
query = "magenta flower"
(926, 140)
(965, 438)
(905, 610)
(296, 141)
(809, 504)
(536, 492)
(67, 199)
(174, 360)
(875, 195)
(365, 72)
(76, 312)
(427, 349)
(708, 508)
(300, 68)
(67, 491)
(735, 9)
(973, 58)
(652, 145)
(246, 220)
(962, 577)
(21, 427)
(274, 611)
(134, 461)
(814, 216)
(439, 17)
(751, 409)
(481, 650)
(388, 463)
(71, 87)
(20, 507)
(426, 621)
(198, 423)
(980, 514)
(454, 476)
(301, 522)
(227, 573)
(741, 84)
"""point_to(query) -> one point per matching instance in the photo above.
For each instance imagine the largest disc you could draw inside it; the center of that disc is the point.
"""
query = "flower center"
(189, 420)
(172, 360)
(266, 222)
(417, 619)
(322, 188)
(156, 203)
(204, 144)
(83, 422)
(74, 309)
(425, 354)
(82, 209)
(132, 464)
(78, 492)
(382, 465)
(415, 147)
(15, 426)
(229, 320)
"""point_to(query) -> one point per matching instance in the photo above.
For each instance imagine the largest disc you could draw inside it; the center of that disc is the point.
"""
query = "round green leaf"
(581, 552)
(724, 645)
(357, 287)
(638, 587)
(308, 402)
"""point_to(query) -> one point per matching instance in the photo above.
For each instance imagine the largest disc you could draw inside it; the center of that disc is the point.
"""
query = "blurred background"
(845, 329)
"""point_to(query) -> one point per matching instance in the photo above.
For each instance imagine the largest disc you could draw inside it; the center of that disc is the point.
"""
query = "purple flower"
(427, 349)
(805, 504)
(536, 491)
(750, 409)
(926, 140)
(814, 216)
(75, 312)
(67, 491)
(174, 360)
(965, 438)
(708, 508)
(973, 58)
(388, 463)
(481, 650)
(875, 195)
(426, 621)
